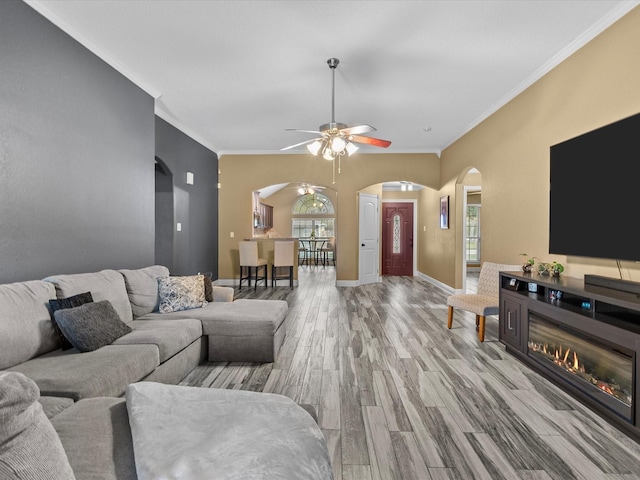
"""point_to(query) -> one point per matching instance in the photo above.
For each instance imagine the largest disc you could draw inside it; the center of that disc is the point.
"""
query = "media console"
(583, 337)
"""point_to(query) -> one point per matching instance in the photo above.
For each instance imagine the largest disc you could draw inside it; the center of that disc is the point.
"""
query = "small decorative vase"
(527, 267)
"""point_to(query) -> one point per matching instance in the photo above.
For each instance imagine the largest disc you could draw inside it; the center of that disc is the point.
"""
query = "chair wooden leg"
(291, 276)
(481, 328)
(450, 318)
(273, 276)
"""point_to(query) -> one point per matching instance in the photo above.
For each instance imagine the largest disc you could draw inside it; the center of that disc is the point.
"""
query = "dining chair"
(282, 258)
(486, 301)
(329, 248)
(249, 259)
(302, 253)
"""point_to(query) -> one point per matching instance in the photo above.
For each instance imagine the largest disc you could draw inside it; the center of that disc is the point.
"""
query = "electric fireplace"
(604, 372)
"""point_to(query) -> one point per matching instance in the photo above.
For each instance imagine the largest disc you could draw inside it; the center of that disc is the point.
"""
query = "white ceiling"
(235, 74)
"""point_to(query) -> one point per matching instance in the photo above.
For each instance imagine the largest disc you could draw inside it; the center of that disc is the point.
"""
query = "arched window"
(313, 213)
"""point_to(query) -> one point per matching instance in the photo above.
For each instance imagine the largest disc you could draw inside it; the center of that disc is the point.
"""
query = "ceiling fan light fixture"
(314, 147)
(338, 144)
(351, 148)
(301, 191)
(328, 154)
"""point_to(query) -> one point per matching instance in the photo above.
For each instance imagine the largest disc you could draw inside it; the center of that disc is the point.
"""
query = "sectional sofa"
(81, 392)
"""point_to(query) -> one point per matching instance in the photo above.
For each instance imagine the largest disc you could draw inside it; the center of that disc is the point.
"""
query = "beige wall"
(595, 86)
(242, 174)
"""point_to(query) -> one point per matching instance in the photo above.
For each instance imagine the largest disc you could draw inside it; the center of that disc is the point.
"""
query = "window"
(472, 234)
(313, 213)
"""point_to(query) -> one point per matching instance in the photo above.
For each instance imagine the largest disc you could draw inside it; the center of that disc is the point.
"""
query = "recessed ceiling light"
(427, 129)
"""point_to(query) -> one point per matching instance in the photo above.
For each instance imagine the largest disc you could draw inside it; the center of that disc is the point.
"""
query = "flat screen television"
(594, 193)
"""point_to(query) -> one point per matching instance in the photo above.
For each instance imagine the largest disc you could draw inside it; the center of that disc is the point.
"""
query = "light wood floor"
(399, 396)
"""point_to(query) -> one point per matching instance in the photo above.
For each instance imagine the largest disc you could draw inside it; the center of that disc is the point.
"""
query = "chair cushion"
(479, 304)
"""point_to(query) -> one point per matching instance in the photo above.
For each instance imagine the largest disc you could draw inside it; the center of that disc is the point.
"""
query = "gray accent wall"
(77, 168)
(195, 248)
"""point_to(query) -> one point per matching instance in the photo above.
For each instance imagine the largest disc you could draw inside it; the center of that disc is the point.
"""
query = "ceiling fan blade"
(301, 143)
(371, 141)
(306, 131)
(358, 129)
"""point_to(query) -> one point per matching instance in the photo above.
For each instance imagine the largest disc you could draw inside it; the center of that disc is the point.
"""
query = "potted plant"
(556, 268)
(544, 268)
(527, 266)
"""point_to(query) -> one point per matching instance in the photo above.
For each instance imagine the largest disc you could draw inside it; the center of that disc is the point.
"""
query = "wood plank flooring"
(399, 396)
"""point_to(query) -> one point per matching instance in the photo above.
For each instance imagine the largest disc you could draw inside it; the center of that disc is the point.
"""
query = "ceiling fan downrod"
(333, 64)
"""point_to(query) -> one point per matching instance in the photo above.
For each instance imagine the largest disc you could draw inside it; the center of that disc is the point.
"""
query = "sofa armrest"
(222, 294)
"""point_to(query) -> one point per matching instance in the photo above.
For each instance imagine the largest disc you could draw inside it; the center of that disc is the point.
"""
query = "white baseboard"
(433, 281)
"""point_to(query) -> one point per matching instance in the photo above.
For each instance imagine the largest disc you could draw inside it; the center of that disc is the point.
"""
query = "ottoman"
(246, 330)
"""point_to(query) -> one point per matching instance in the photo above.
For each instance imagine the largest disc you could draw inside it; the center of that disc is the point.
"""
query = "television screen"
(594, 201)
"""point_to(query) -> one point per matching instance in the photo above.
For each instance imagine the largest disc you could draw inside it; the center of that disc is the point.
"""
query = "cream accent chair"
(249, 260)
(283, 257)
(486, 301)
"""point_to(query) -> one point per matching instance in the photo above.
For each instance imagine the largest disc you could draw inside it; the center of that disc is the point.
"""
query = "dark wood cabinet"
(265, 216)
(511, 320)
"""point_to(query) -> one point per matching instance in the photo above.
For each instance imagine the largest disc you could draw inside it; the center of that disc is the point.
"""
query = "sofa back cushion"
(103, 285)
(142, 288)
(26, 330)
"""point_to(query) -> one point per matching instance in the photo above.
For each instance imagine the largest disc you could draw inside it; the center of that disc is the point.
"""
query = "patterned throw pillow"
(181, 293)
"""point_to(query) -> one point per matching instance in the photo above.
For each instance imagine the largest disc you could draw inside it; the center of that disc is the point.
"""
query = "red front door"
(397, 238)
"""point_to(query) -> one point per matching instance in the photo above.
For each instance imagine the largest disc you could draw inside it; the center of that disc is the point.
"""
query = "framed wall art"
(444, 211)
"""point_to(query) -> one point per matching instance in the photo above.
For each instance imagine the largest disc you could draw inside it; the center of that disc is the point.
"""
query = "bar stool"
(329, 248)
(282, 257)
(249, 260)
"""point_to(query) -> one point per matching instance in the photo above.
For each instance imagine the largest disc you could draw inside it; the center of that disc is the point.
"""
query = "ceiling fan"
(307, 189)
(337, 139)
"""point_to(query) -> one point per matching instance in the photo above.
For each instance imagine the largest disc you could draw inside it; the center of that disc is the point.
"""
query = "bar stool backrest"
(248, 253)
(283, 253)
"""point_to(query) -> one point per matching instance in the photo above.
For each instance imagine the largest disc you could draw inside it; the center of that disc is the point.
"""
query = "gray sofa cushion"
(29, 445)
(242, 317)
(103, 285)
(96, 433)
(142, 288)
(52, 406)
(103, 372)
(26, 330)
(91, 326)
(170, 337)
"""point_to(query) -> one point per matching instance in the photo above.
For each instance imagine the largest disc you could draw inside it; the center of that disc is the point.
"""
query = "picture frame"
(444, 212)
(513, 284)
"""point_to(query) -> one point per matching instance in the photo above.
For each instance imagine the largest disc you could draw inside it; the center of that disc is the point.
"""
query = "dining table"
(313, 246)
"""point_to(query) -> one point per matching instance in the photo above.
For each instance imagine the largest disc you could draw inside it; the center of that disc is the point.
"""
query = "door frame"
(415, 227)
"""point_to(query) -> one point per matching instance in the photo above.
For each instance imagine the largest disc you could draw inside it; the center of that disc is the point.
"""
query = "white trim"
(414, 267)
(41, 7)
(601, 25)
(347, 283)
(433, 281)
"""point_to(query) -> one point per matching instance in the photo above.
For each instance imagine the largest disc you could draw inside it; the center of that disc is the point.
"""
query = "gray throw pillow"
(92, 325)
(69, 302)
(29, 445)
